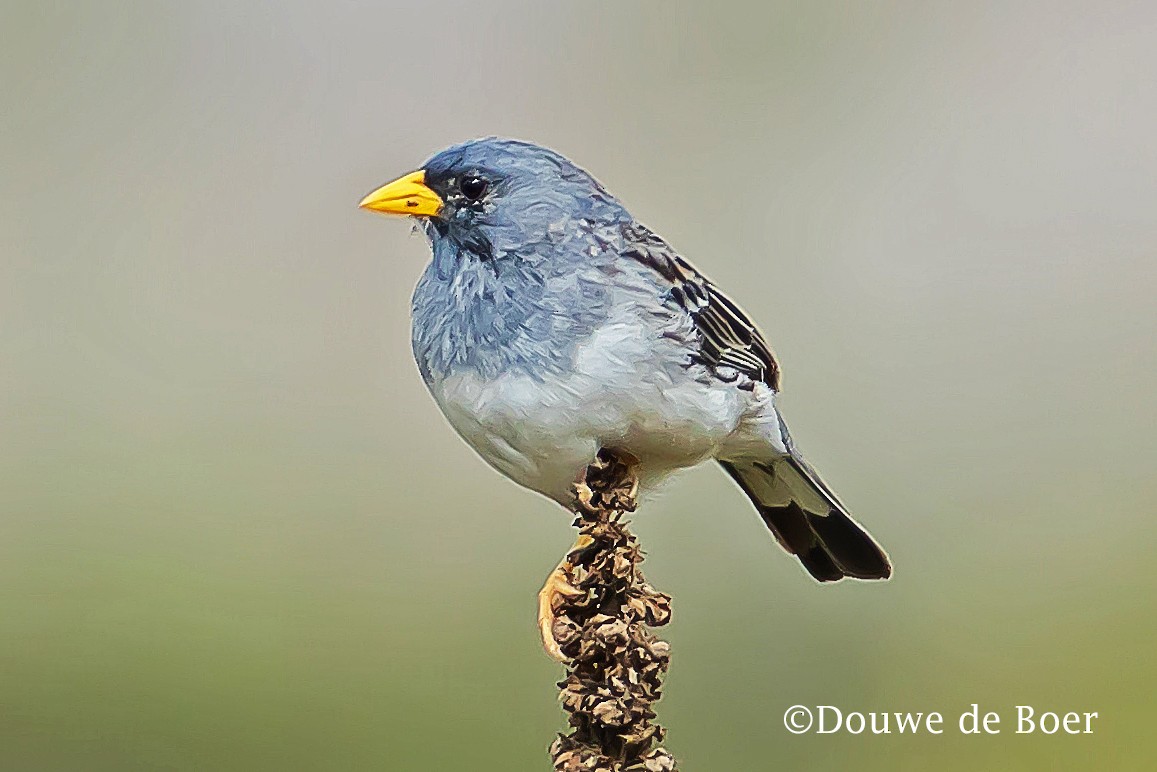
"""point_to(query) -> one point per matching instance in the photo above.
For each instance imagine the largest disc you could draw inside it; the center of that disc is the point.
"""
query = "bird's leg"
(557, 586)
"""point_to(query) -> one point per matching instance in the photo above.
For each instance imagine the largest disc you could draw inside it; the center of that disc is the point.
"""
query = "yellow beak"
(405, 195)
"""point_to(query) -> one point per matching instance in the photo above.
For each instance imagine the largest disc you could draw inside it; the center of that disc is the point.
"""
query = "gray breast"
(515, 311)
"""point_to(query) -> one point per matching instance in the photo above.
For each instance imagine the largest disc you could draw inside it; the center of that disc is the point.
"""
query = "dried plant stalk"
(615, 666)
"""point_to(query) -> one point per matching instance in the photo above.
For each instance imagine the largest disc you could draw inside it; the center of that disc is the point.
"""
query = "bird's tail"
(807, 518)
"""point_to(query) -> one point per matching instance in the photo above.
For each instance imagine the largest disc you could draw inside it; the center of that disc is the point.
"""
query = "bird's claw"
(556, 587)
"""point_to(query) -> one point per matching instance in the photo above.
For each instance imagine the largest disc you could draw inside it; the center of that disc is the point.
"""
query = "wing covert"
(728, 338)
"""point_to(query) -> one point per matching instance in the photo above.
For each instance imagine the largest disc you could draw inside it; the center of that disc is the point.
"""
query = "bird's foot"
(553, 593)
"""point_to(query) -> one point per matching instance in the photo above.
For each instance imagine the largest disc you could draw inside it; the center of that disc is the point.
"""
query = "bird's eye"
(473, 186)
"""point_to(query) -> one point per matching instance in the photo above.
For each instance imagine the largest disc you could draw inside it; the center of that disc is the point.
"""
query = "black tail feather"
(830, 544)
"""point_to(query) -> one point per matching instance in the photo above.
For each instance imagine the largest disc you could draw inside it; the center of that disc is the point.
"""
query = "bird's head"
(495, 195)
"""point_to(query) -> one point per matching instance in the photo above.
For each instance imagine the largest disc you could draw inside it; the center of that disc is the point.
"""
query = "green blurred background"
(236, 534)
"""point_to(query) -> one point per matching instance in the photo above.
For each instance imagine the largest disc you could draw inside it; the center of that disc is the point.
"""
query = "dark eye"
(473, 186)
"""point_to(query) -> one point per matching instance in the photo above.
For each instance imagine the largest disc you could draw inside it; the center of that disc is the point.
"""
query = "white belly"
(626, 390)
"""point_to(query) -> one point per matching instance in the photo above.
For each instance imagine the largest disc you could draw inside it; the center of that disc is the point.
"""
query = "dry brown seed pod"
(616, 670)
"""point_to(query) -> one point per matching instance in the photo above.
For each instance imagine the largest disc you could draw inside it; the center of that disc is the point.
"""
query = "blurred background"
(236, 534)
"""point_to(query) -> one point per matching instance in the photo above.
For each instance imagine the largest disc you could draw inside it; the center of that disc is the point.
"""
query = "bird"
(550, 324)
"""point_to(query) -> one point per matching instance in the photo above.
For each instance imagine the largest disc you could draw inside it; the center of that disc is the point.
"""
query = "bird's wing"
(727, 337)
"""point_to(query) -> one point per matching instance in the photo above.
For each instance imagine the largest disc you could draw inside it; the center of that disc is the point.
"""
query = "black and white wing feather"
(728, 339)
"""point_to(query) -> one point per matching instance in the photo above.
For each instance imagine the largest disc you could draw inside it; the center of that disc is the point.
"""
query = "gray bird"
(550, 324)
